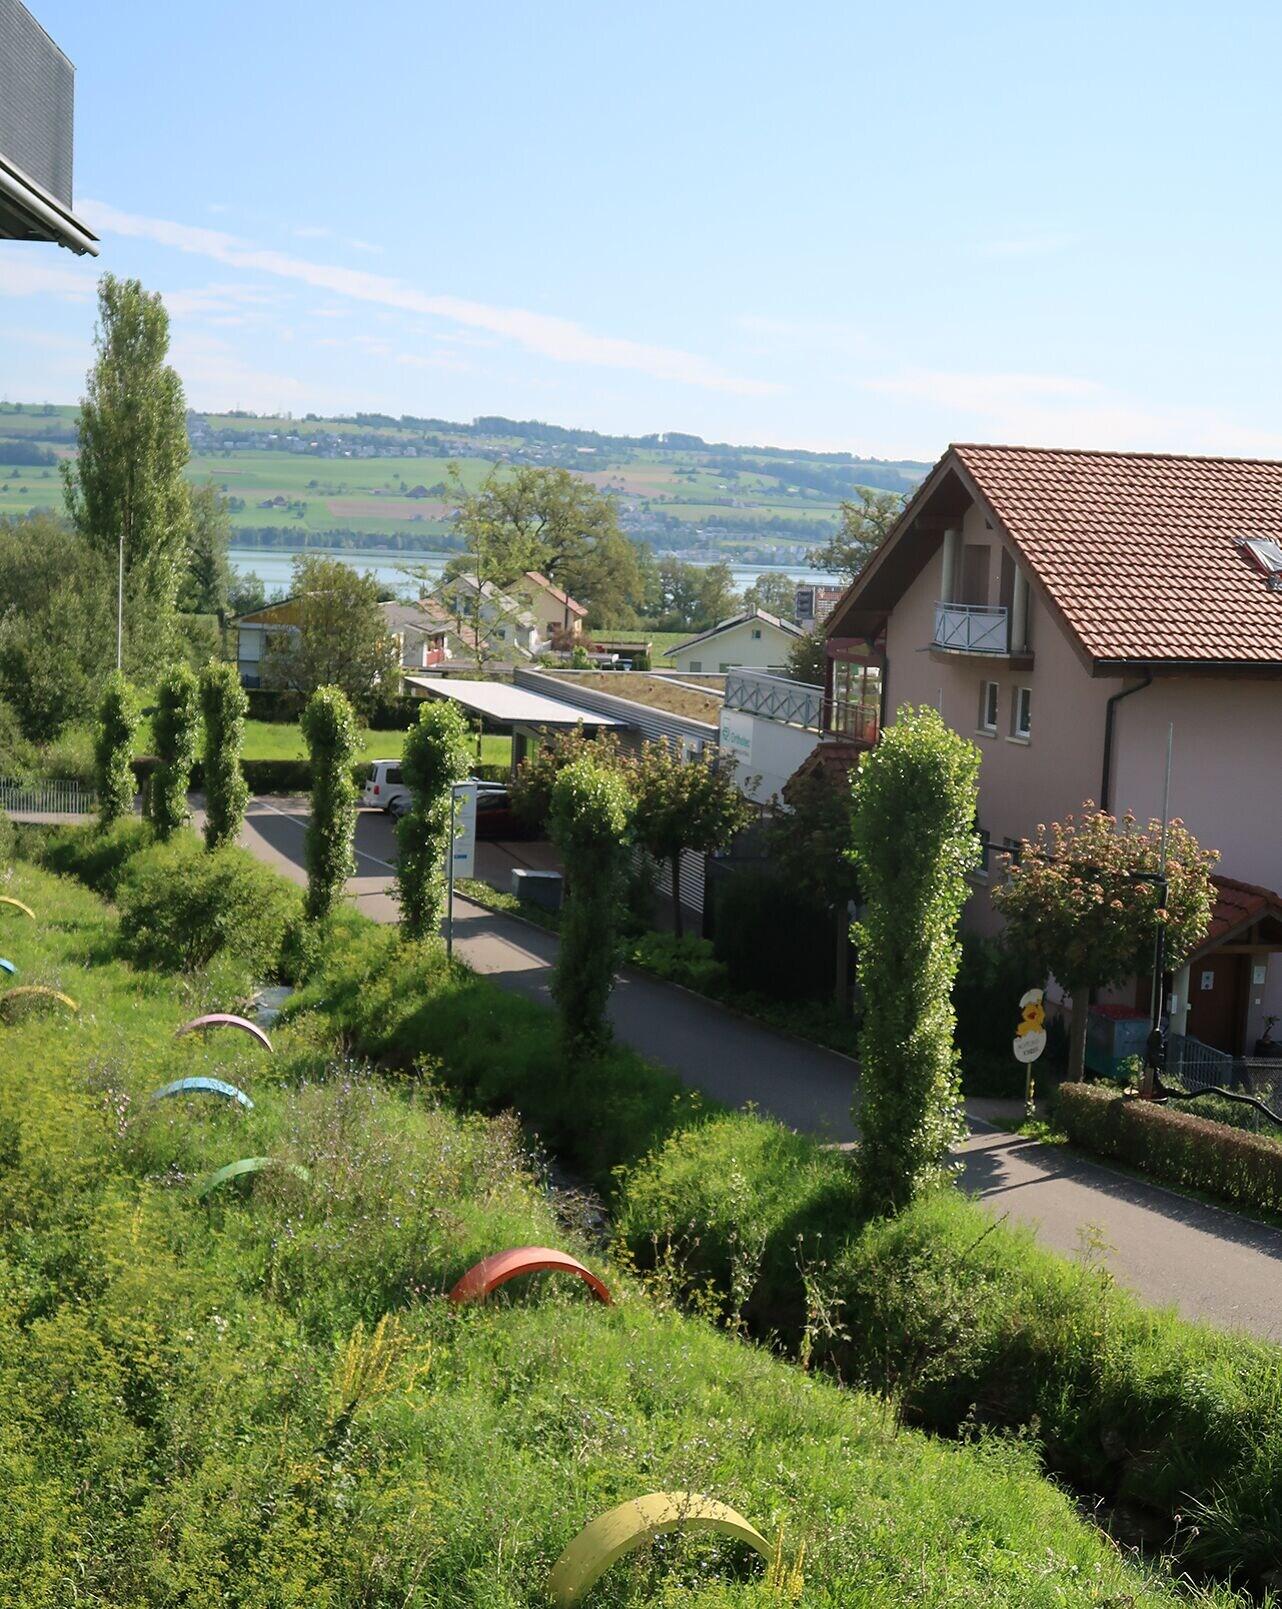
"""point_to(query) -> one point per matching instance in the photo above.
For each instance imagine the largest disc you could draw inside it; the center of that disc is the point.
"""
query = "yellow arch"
(35, 991)
(626, 1527)
(7, 899)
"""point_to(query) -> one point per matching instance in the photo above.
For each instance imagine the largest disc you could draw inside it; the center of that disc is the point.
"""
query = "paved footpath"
(1207, 1262)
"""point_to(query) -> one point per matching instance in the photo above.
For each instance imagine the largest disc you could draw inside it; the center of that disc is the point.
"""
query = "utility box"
(1113, 1035)
(544, 889)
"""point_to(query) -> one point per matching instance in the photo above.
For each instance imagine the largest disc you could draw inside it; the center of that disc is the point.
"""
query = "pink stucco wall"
(1020, 783)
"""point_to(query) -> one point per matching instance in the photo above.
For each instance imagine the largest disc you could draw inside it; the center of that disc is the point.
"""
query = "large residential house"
(752, 640)
(506, 625)
(1069, 610)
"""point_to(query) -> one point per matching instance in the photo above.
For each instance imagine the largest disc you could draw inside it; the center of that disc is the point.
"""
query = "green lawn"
(283, 740)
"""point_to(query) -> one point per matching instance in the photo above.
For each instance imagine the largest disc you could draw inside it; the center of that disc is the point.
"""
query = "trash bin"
(1113, 1035)
(543, 889)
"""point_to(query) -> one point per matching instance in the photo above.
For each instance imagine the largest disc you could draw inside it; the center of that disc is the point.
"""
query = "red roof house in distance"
(1065, 609)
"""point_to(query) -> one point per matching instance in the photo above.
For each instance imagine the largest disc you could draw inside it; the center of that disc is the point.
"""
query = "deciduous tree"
(589, 818)
(223, 705)
(332, 744)
(176, 725)
(776, 594)
(127, 481)
(809, 843)
(342, 639)
(1080, 900)
(863, 528)
(684, 805)
(435, 757)
(535, 777)
(913, 839)
(206, 578)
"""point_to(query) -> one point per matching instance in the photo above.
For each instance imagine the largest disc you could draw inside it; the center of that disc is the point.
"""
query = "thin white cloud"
(362, 245)
(34, 274)
(560, 339)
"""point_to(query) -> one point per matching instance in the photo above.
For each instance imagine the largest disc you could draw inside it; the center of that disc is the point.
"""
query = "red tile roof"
(1237, 906)
(1140, 551)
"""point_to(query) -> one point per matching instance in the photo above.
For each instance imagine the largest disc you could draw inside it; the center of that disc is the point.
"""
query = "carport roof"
(501, 701)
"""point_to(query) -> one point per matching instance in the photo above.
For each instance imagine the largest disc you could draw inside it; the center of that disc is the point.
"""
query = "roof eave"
(44, 215)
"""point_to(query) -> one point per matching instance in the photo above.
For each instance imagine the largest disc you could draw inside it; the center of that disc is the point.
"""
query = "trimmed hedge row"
(283, 706)
(1179, 1147)
(289, 776)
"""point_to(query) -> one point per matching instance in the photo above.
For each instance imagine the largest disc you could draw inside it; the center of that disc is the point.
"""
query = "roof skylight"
(1267, 557)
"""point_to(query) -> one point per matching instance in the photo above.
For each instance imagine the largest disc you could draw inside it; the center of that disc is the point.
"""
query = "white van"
(384, 789)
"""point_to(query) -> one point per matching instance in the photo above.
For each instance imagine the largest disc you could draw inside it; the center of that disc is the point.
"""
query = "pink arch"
(496, 1270)
(224, 1019)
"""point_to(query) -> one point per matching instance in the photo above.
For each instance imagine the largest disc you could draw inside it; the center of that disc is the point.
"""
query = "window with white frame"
(1021, 715)
(756, 634)
(988, 706)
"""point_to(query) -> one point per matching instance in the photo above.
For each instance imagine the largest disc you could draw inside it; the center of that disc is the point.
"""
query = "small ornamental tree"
(330, 730)
(913, 841)
(176, 724)
(809, 843)
(113, 749)
(223, 705)
(436, 756)
(535, 777)
(684, 804)
(1079, 904)
(591, 810)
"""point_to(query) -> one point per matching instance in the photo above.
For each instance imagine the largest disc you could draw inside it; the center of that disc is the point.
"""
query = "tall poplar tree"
(127, 485)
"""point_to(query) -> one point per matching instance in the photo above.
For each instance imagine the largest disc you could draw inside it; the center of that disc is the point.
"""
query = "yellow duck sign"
(1030, 1035)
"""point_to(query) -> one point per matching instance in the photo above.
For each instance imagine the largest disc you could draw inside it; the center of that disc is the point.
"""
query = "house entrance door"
(1218, 986)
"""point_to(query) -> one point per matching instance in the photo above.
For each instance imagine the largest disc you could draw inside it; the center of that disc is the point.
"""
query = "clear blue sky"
(832, 225)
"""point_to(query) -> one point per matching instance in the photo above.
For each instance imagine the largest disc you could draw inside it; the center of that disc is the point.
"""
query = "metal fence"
(1200, 1069)
(51, 796)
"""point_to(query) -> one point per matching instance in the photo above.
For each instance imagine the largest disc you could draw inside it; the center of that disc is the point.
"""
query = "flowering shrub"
(1077, 901)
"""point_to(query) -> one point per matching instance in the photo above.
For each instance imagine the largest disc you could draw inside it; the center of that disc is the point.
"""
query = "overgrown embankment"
(263, 1400)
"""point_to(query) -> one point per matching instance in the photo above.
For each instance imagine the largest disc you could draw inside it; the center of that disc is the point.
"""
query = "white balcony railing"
(972, 628)
(776, 697)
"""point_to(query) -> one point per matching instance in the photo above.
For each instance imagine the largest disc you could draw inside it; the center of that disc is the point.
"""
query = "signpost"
(462, 850)
(1030, 1040)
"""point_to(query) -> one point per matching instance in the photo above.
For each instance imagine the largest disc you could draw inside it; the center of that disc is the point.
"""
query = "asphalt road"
(1207, 1262)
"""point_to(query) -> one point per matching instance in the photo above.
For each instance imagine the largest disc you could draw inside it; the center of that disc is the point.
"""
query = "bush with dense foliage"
(180, 907)
(435, 757)
(330, 729)
(113, 748)
(176, 725)
(535, 777)
(684, 804)
(913, 838)
(1182, 1147)
(589, 818)
(223, 705)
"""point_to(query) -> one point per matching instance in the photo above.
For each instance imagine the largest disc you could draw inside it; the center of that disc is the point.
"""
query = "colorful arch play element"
(496, 1270)
(203, 1086)
(626, 1527)
(29, 993)
(8, 966)
(224, 1019)
(249, 1164)
(6, 899)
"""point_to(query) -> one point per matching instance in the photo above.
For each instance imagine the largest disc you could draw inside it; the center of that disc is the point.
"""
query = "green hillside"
(373, 482)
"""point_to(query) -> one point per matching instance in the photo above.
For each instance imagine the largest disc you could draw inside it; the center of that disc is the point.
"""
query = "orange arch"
(496, 1270)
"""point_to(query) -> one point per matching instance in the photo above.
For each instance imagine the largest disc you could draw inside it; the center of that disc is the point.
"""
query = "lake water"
(274, 567)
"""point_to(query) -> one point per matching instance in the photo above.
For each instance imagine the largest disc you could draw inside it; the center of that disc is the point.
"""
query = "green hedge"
(263, 776)
(1180, 1147)
(966, 1321)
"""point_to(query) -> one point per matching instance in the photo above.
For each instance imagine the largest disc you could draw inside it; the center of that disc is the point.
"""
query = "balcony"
(776, 698)
(967, 628)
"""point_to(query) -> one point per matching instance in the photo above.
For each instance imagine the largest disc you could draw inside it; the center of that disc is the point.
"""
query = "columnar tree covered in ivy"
(223, 705)
(684, 804)
(113, 749)
(589, 818)
(176, 725)
(330, 730)
(913, 841)
(435, 757)
(1079, 903)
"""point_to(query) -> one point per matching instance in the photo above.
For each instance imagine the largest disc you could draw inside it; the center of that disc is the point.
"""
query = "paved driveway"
(1207, 1262)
